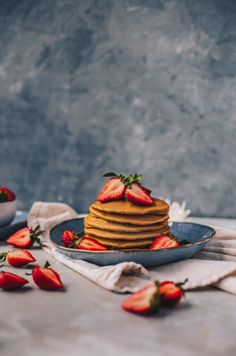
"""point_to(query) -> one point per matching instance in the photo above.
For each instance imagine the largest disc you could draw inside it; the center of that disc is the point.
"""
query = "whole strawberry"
(11, 281)
(6, 195)
(171, 293)
(69, 238)
(17, 258)
(46, 277)
(25, 238)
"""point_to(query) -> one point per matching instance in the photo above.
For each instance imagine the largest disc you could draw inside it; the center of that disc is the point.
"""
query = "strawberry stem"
(47, 264)
(182, 283)
(35, 233)
(3, 256)
(128, 181)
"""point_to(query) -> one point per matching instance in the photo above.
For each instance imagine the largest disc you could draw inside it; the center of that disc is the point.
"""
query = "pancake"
(129, 219)
(91, 222)
(160, 207)
(123, 244)
(131, 236)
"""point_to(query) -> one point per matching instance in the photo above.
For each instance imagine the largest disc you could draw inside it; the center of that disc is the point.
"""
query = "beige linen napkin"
(216, 265)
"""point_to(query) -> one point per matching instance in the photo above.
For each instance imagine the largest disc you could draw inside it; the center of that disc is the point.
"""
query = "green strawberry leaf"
(110, 174)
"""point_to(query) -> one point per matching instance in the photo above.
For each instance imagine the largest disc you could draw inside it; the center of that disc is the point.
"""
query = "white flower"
(178, 212)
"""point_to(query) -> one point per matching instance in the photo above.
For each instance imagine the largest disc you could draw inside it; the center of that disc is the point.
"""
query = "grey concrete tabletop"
(87, 320)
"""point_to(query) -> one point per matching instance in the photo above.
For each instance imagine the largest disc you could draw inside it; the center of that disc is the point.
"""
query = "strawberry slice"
(6, 195)
(146, 190)
(69, 238)
(171, 293)
(46, 277)
(145, 301)
(137, 195)
(113, 190)
(17, 258)
(90, 244)
(11, 281)
(25, 237)
(164, 241)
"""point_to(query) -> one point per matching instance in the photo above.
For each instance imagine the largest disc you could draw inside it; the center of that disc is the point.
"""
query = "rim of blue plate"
(209, 236)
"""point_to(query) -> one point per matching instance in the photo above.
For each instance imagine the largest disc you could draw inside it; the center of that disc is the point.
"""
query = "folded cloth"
(214, 266)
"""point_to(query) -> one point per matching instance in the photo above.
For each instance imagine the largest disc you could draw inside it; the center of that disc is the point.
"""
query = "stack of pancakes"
(123, 225)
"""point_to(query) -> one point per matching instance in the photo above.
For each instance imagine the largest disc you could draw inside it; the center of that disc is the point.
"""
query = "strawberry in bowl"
(7, 206)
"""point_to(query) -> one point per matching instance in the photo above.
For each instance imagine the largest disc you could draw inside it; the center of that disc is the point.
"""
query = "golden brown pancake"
(91, 222)
(123, 244)
(124, 236)
(129, 219)
(159, 207)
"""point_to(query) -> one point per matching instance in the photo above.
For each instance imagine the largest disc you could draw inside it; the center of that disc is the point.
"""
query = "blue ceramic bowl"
(197, 235)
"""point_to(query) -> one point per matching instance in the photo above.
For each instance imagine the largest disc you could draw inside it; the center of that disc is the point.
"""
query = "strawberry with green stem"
(119, 187)
(149, 299)
(25, 238)
(171, 293)
(46, 277)
(79, 241)
(17, 258)
(69, 238)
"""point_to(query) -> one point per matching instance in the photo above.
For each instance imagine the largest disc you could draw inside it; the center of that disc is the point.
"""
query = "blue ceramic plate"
(197, 235)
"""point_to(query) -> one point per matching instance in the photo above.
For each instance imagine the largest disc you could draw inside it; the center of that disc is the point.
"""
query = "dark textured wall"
(125, 85)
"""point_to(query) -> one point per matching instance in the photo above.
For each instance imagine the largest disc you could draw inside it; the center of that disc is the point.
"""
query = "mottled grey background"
(124, 85)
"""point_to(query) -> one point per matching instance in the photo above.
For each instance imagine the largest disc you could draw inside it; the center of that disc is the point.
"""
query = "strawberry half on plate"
(164, 241)
(90, 244)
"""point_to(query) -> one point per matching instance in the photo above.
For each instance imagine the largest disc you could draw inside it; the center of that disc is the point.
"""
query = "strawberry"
(90, 244)
(25, 237)
(113, 190)
(46, 278)
(136, 194)
(146, 190)
(69, 238)
(171, 293)
(119, 186)
(164, 241)
(145, 301)
(11, 281)
(17, 258)
(6, 195)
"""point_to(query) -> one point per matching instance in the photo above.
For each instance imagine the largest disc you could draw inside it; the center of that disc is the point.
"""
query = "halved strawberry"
(46, 278)
(164, 241)
(146, 190)
(171, 293)
(90, 244)
(113, 190)
(25, 237)
(69, 238)
(17, 258)
(6, 195)
(136, 194)
(11, 281)
(145, 301)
